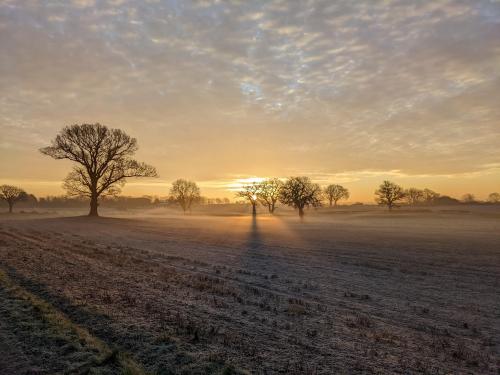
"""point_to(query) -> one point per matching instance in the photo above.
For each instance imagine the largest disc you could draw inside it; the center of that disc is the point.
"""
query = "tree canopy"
(389, 194)
(269, 192)
(300, 192)
(185, 193)
(414, 196)
(494, 198)
(12, 194)
(103, 157)
(334, 193)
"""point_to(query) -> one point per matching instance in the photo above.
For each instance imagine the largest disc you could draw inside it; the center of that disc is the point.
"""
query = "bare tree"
(334, 193)
(251, 193)
(103, 157)
(430, 196)
(269, 193)
(494, 198)
(468, 198)
(414, 196)
(389, 194)
(12, 194)
(185, 193)
(300, 192)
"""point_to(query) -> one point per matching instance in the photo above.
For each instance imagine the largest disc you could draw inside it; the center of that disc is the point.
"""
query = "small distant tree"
(468, 198)
(12, 195)
(103, 157)
(494, 198)
(251, 193)
(430, 196)
(185, 193)
(414, 196)
(269, 193)
(389, 194)
(300, 192)
(334, 193)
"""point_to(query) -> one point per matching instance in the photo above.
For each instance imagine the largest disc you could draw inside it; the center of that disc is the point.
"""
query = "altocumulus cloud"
(410, 86)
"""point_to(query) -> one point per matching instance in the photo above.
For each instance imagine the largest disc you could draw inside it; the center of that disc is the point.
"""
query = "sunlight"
(238, 183)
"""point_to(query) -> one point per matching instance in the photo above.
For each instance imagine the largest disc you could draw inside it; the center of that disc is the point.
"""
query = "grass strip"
(62, 324)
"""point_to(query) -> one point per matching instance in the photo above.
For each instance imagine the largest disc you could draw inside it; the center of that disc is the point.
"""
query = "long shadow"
(256, 249)
(252, 247)
(254, 240)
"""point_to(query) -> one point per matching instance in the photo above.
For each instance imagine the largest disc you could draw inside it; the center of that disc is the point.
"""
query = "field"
(343, 292)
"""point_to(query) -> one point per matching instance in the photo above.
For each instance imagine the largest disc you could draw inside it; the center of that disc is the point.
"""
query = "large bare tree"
(389, 194)
(269, 193)
(334, 193)
(251, 193)
(12, 194)
(103, 157)
(300, 192)
(185, 193)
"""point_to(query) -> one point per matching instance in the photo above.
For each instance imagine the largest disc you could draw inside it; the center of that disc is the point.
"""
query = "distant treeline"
(410, 197)
(121, 202)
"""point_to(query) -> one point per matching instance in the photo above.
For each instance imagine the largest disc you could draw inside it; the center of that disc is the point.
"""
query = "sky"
(219, 92)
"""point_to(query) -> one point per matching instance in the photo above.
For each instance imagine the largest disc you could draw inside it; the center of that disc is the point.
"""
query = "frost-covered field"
(349, 292)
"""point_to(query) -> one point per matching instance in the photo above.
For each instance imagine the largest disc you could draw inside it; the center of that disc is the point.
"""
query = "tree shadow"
(254, 240)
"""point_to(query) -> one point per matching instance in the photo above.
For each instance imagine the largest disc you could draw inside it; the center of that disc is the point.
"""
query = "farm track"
(197, 303)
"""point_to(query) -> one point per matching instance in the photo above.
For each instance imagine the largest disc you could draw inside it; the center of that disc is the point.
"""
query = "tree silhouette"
(389, 194)
(414, 196)
(468, 198)
(334, 193)
(251, 193)
(269, 193)
(185, 193)
(430, 196)
(494, 198)
(103, 158)
(12, 194)
(300, 192)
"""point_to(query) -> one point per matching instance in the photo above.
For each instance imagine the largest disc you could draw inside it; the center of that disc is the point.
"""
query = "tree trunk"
(93, 205)
(11, 206)
(254, 209)
(331, 203)
(301, 213)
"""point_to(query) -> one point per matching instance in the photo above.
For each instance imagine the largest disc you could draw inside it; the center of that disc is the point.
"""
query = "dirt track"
(361, 293)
